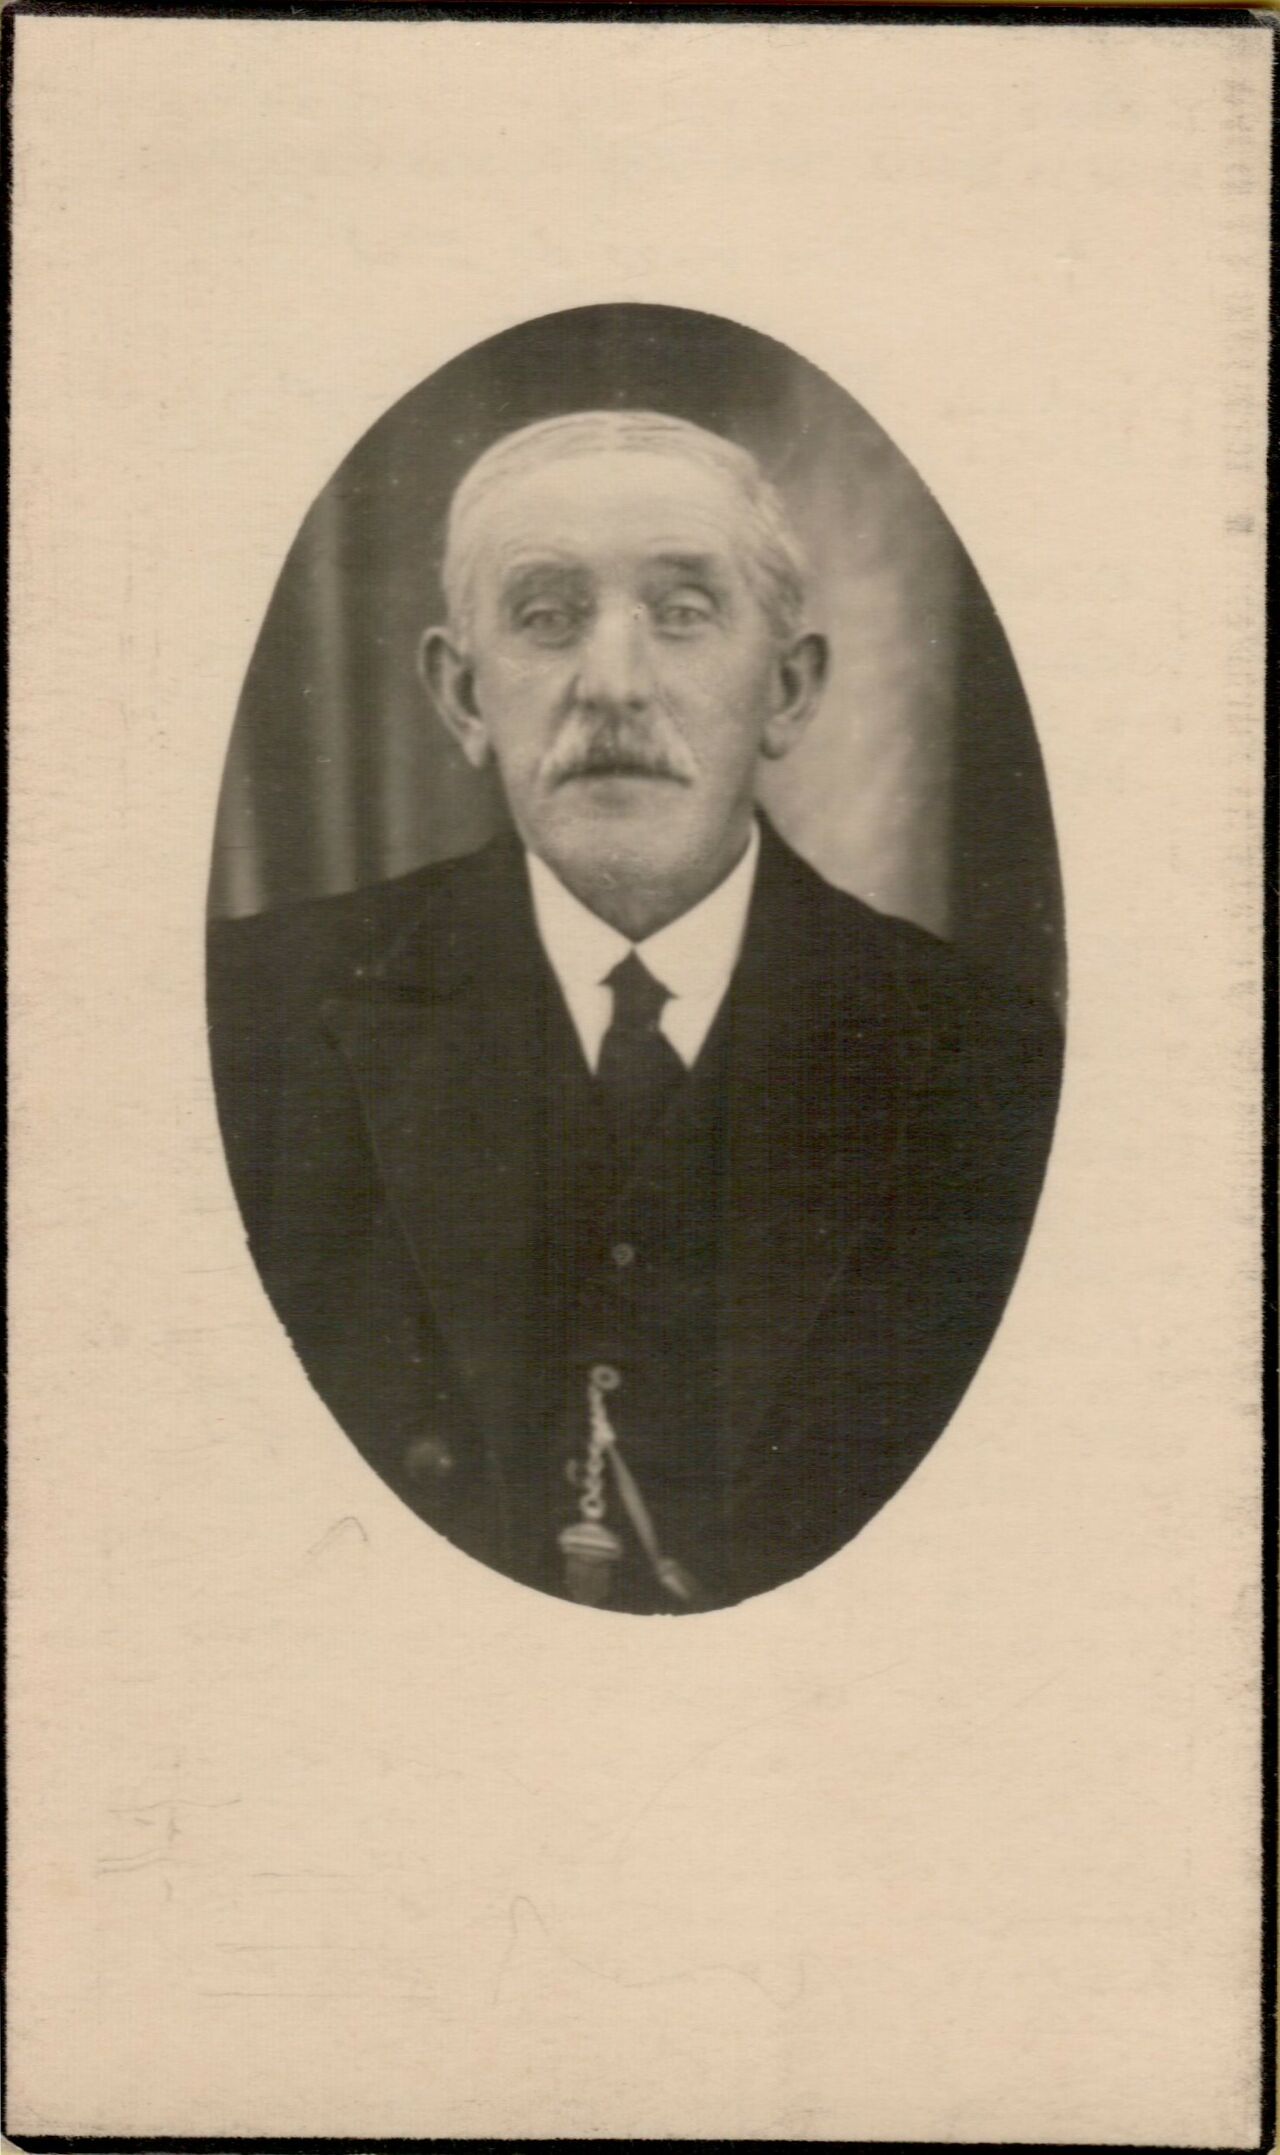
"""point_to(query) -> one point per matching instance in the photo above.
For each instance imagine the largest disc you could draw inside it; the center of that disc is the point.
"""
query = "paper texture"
(317, 1827)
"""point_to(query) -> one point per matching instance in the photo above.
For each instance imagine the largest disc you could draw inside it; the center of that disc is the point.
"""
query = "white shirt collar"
(693, 956)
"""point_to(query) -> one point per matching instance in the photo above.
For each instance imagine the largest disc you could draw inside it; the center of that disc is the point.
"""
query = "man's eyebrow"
(535, 568)
(710, 568)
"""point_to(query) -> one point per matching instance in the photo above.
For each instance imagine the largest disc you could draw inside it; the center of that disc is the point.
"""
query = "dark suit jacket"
(889, 1116)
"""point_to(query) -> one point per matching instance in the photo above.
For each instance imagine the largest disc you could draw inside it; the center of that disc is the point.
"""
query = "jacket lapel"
(438, 1036)
(812, 1093)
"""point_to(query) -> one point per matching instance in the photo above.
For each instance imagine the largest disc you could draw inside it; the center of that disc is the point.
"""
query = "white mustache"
(588, 747)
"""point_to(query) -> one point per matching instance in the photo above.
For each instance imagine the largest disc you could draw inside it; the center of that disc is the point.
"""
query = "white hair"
(774, 565)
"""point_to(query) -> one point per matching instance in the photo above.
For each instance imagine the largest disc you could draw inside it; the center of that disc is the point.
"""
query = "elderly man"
(639, 1203)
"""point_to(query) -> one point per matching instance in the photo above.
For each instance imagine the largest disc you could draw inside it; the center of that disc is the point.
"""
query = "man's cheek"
(501, 679)
(523, 670)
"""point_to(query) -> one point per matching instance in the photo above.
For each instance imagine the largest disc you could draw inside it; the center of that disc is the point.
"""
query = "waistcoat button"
(623, 1254)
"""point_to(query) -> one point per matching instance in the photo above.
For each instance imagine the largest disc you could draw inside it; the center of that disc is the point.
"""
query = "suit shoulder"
(314, 945)
(901, 944)
(940, 984)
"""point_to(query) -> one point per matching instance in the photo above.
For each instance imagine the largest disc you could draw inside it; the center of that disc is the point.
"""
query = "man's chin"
(619, 824)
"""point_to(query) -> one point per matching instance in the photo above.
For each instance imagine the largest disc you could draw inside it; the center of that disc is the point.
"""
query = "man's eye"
(683, 614)
(549, 624)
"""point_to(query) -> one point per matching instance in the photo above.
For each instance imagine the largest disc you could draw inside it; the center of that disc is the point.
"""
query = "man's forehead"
(603, 503)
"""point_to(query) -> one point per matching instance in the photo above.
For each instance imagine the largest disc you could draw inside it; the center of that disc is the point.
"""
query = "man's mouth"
(621, 767)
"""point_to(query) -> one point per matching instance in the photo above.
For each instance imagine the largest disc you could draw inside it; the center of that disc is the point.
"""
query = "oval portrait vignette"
(635, 963)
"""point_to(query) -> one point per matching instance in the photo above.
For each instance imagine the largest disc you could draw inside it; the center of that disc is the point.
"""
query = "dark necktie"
(638, 1064)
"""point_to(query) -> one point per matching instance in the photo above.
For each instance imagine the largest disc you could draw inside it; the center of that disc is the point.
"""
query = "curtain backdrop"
(920, 785)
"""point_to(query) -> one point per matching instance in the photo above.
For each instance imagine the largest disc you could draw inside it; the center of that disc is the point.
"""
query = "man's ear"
(801, 677)
(448, 677)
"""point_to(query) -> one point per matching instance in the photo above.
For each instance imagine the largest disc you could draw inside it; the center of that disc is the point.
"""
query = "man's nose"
(613, 670)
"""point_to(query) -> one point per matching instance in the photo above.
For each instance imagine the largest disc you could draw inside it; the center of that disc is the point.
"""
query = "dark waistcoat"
(631, 1260)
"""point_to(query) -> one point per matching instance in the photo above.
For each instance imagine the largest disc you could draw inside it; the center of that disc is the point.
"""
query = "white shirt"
(693, 956)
